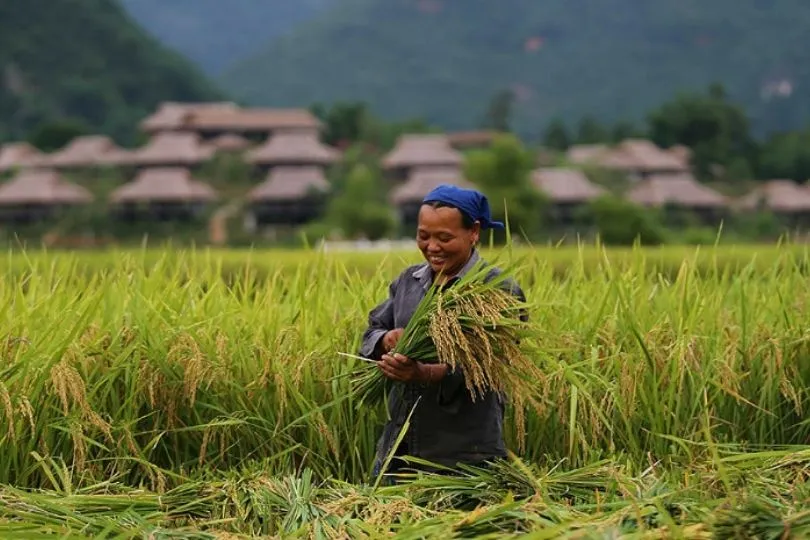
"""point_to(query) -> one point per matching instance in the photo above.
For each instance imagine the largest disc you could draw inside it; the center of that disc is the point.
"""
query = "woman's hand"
(391, 338)
(400, 368)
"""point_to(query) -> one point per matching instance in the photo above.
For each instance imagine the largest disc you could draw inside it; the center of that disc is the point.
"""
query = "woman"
(447, 427)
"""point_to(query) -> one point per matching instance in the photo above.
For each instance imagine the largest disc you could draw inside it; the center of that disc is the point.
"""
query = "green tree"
(361, 210)
(620, 222)
(498, 116)
(503, 173)
(344, 123)
(556, 135)
(591, 131)
(715, 129)
(54, 135)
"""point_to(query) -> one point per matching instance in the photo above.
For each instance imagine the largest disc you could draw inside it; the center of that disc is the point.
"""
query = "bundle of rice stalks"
(478, 326)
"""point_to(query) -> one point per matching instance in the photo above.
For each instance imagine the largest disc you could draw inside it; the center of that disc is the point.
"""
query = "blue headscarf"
(470, 202)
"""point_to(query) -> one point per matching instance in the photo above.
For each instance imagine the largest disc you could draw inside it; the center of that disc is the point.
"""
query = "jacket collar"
(424, 273)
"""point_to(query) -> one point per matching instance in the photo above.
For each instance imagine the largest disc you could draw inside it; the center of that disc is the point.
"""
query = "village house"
(289, 196)
(413, 152)
(567, 190)
(680, 196)
(84, 152)
(162, 194)
(36, 195)
(211, 120)
(165, 150)
(18, 155)
(787, 200)
(292, 150)
(407, 197)
(636, 158)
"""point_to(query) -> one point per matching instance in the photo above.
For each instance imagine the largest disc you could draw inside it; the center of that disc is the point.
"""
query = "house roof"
(171, 115)
(630, 155)
(85, 151)
(164, 184)
(18, 154)
(290, 184)
(563, 185)
(293, 148)
(166, 149)
(226, 116)
(422, 150)
(43, 187)
(581, 154)
(785, 196)
(640, 154)
(679, 189)
(253, 119)
(420, 182)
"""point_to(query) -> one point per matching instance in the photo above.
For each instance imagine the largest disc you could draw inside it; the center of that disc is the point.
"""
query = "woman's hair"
(466, 221)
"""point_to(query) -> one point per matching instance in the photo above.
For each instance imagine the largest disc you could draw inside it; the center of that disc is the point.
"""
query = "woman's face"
(443, 240)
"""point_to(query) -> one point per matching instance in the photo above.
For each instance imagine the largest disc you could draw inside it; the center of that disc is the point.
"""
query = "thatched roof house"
(637, 157)
(217, 118)
(167, 150)
(290, 184)
(164, 185)
(778, 196)
(42, 187)
(18, 155)
(681, 190)
(173, 116)
(84, 152)
(422, 181)
(583, 154)
(566, 186)
(300, 149)
(289, 196)
(412, 151)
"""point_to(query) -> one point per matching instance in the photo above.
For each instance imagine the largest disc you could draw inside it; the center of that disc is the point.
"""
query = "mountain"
(443, 60)
(217, 33)
(85, 60)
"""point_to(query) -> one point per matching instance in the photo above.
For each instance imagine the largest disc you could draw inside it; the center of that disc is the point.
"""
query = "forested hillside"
(216, 33)
(85, 60)
(444, 59)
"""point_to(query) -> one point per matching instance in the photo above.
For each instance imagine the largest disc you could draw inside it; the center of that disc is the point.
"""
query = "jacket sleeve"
(380, 321)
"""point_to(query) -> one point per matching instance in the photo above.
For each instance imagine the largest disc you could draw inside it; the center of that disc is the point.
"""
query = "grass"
(202, 394)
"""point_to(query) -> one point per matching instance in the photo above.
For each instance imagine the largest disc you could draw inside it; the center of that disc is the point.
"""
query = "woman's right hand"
(391, 338)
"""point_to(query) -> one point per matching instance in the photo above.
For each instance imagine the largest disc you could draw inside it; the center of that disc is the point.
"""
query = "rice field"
(203, 394)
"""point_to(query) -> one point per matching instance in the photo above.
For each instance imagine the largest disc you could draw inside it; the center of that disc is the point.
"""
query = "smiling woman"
(448, 425)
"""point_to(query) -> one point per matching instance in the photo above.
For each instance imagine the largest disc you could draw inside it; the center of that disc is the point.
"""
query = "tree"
(503, 173)
(498, 116)
(716, 130)
(591, 131)
(620, 222)
(360, 210)
(54, 135)
(556, 136)
(344, 123)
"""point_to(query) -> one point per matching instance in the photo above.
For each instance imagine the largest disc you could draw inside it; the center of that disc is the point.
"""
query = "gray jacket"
(447, 427)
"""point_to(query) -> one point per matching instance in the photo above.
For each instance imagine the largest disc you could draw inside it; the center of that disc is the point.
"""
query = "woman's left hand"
(400, 368)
